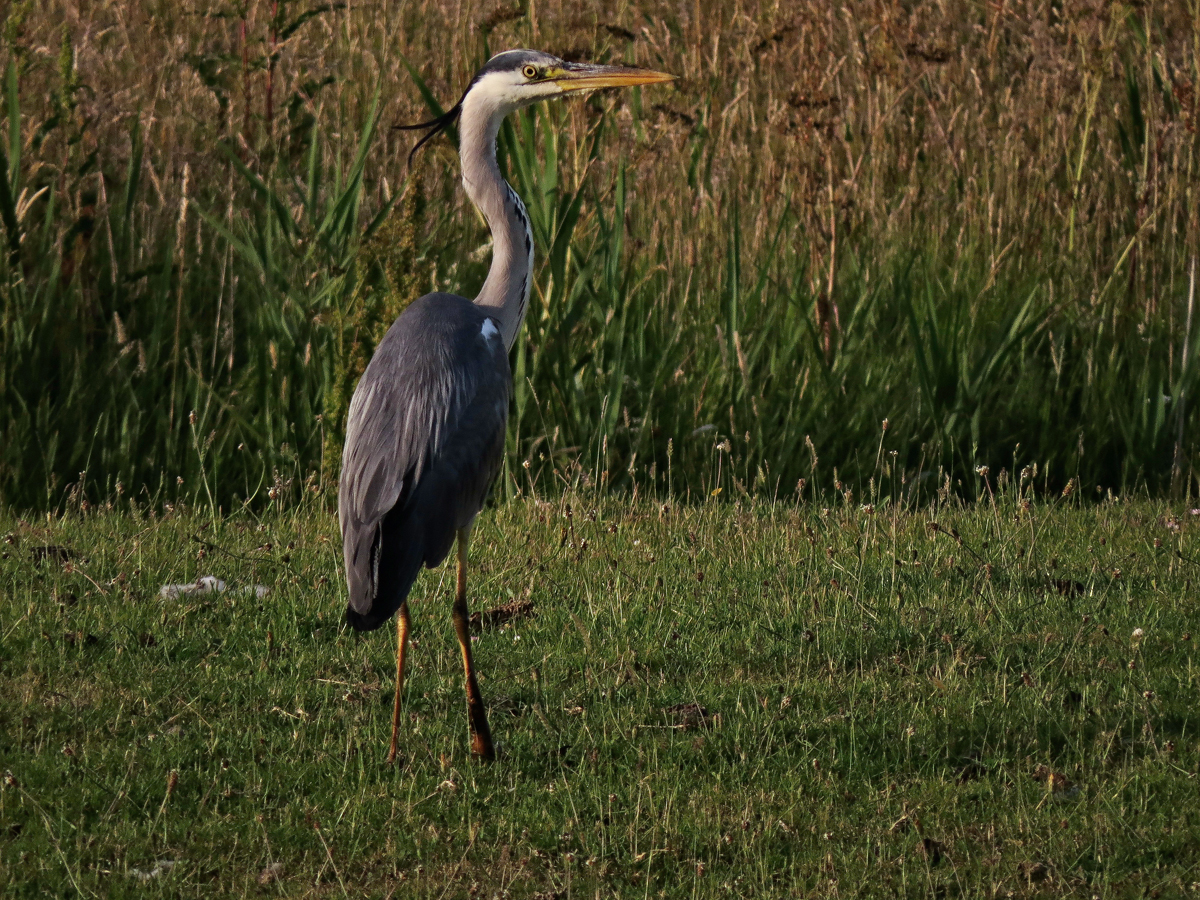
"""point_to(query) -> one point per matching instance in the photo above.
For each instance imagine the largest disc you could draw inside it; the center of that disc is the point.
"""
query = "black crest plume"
(435, 126)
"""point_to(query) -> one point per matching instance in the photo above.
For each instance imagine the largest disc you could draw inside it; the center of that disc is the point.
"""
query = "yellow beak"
(587, 77)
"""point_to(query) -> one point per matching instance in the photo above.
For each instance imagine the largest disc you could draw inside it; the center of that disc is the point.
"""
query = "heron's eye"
(529, 72)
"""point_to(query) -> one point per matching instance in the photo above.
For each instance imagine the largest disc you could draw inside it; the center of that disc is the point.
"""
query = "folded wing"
(424, 440)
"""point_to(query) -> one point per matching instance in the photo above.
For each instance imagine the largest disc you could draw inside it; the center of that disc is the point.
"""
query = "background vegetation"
(973, 220)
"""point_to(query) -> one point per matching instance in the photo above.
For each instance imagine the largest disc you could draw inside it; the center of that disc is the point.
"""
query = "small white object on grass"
(209, 584)
(160, 867)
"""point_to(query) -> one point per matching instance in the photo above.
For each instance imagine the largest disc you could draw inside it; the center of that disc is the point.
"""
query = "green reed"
(887, 317)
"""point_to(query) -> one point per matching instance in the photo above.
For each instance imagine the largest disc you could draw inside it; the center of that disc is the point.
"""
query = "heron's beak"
(586, 77)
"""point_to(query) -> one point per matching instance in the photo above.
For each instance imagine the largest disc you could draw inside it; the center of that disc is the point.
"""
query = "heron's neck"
(505, 293)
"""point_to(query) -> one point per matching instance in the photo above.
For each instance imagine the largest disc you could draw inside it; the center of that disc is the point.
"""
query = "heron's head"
(516, 78)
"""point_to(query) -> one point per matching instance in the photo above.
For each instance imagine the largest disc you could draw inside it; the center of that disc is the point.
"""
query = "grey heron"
(425, 431)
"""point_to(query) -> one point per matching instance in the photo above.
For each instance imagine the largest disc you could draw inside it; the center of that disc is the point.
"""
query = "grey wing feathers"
(424, 440)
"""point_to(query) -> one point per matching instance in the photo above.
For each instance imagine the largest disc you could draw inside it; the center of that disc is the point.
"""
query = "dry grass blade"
(689, 716)
(499, 616)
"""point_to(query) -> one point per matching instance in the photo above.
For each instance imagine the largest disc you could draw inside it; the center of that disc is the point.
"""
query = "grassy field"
(744, 700)
(976, 220)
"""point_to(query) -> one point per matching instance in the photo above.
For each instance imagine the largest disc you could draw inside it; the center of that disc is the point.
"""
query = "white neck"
(505, 293)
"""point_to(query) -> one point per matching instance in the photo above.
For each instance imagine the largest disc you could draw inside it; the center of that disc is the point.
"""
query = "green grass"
(886, 702)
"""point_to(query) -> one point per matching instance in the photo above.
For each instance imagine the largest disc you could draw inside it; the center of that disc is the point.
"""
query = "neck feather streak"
(505, 292)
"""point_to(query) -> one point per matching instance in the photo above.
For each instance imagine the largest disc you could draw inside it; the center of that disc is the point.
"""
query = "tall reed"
(974, 223)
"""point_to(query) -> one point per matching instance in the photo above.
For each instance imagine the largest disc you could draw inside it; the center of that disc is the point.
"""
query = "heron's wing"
(424, 439)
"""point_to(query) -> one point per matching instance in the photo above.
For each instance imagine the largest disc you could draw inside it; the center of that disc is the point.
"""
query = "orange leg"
(403, 624)
(481, 735)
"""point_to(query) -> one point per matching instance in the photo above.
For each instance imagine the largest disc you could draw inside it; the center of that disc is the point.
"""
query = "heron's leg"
(481, 735)
(403, 624)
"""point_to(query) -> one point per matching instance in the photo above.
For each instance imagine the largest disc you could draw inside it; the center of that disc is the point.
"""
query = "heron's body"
(436, 393)
(425, 433)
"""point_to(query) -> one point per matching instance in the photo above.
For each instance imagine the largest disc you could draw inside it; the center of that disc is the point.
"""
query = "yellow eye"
(529, 72)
